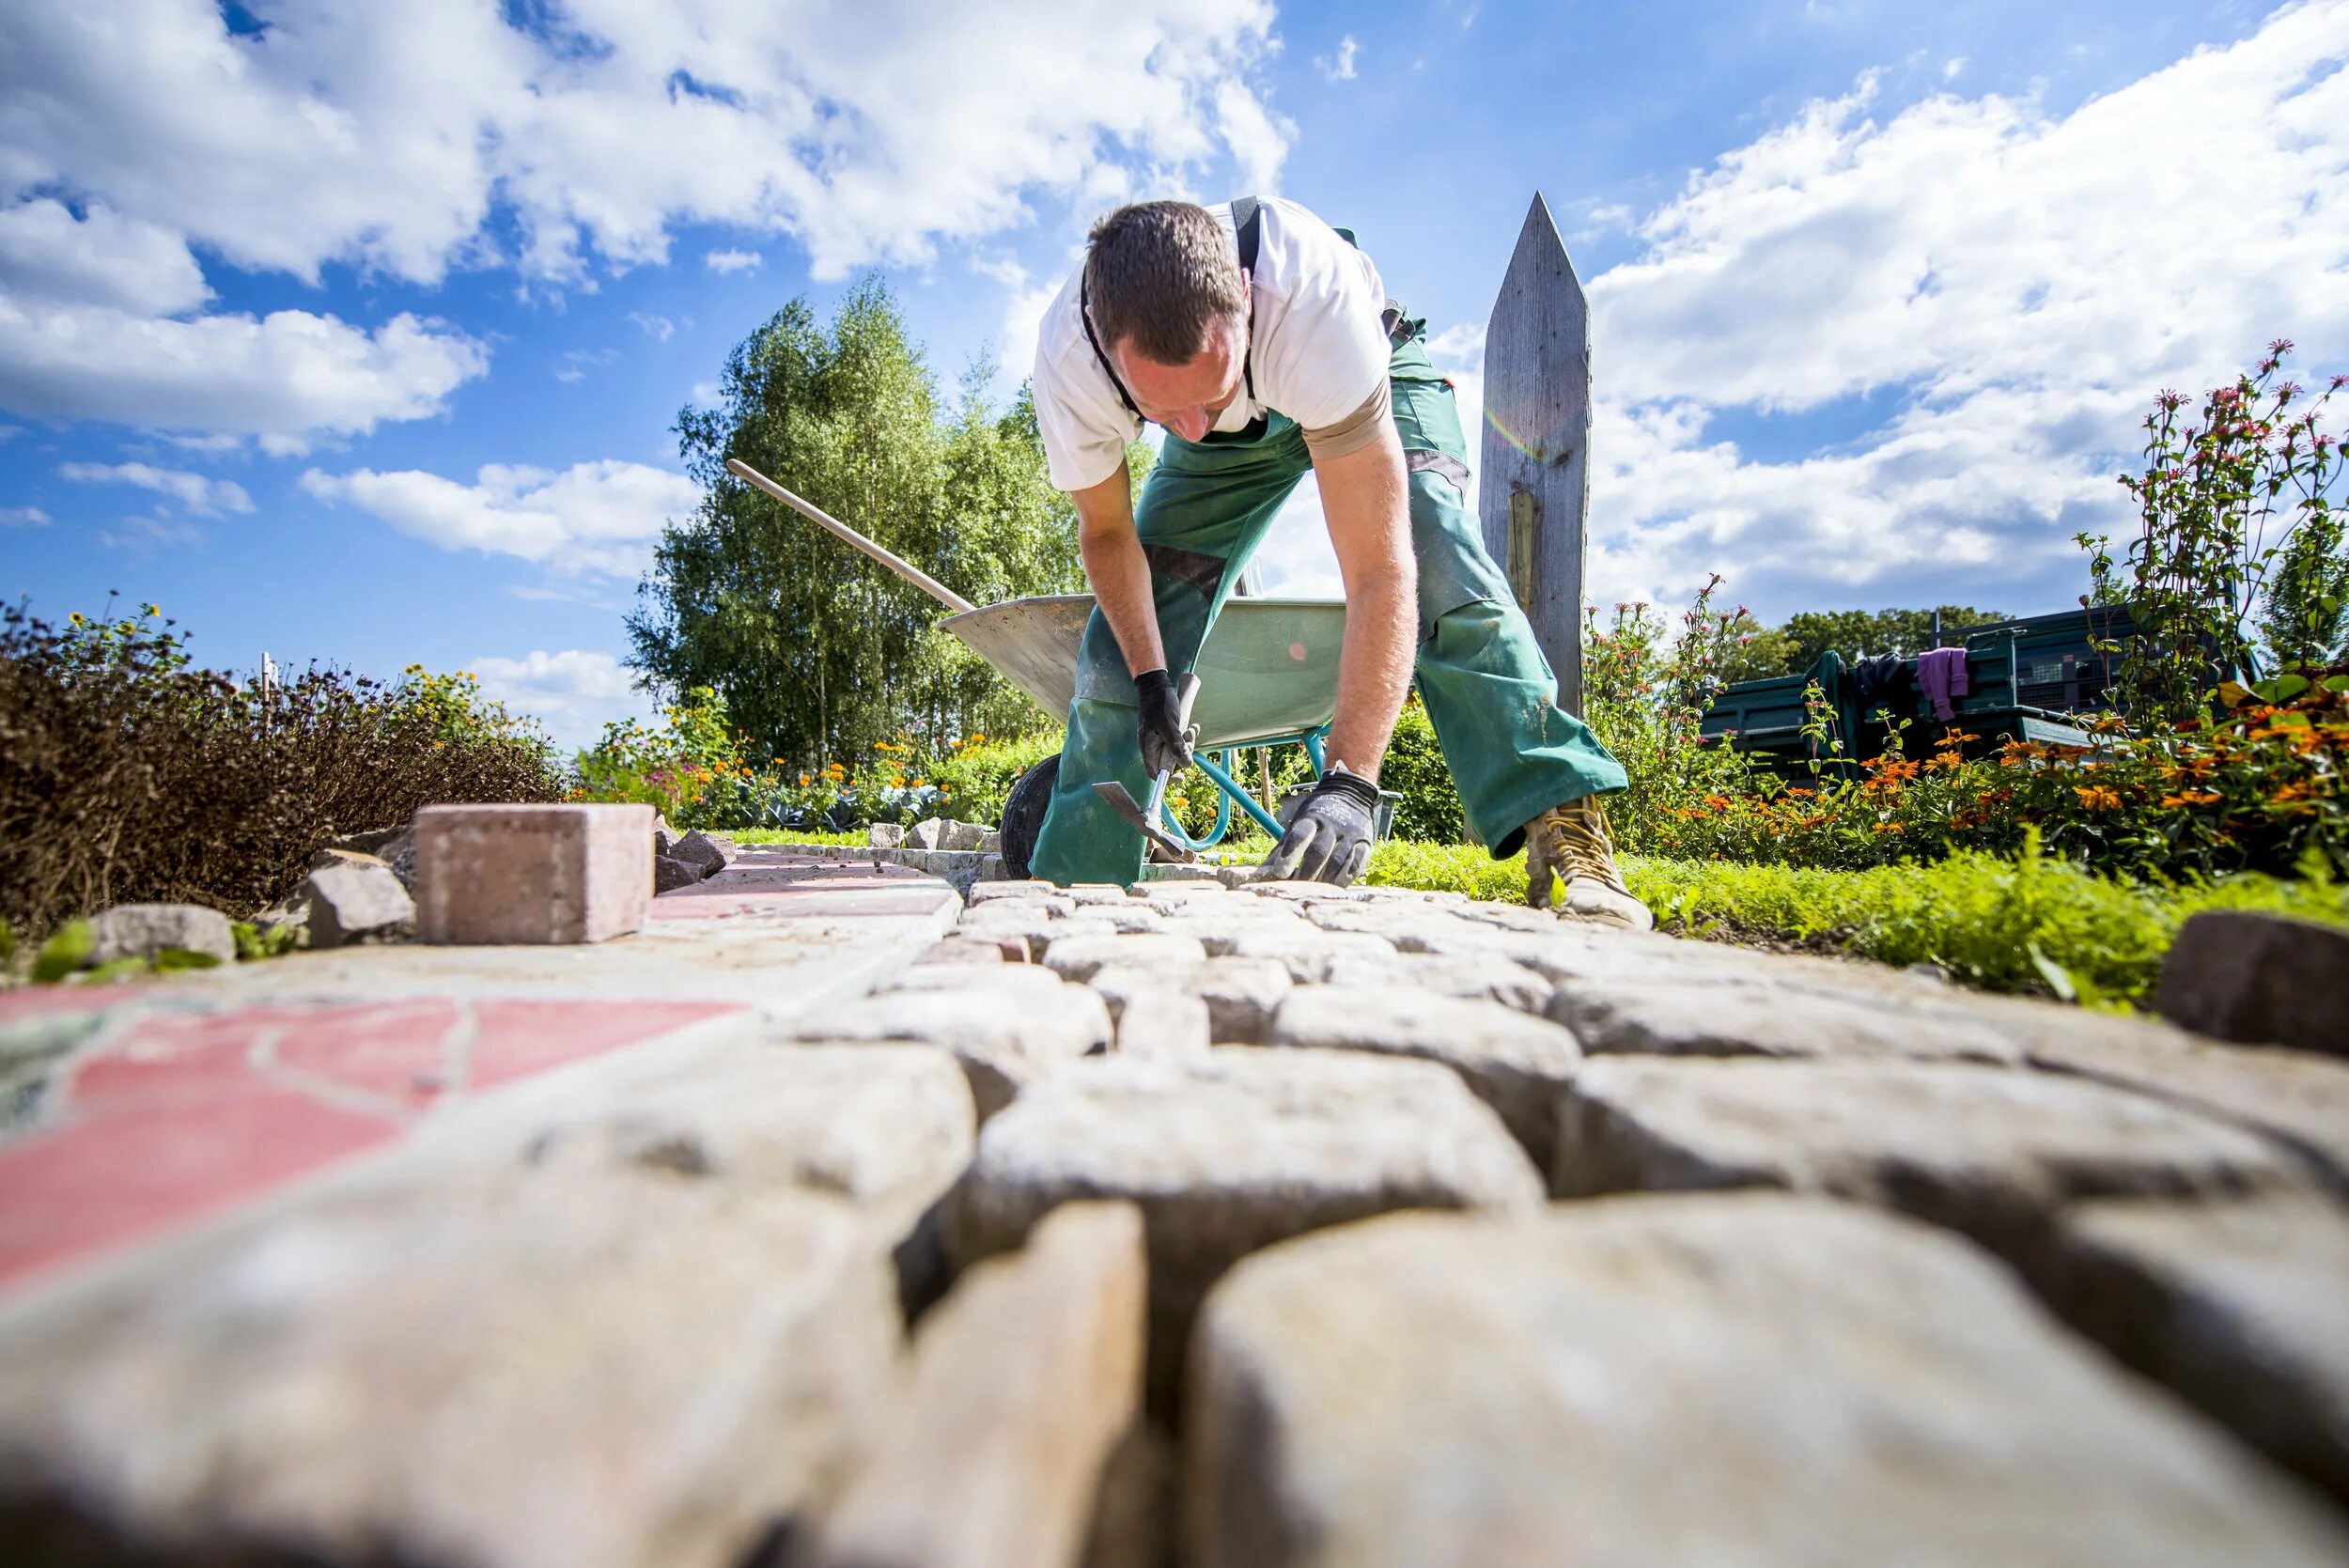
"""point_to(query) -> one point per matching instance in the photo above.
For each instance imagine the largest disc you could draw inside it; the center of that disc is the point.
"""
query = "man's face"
(1187, 399)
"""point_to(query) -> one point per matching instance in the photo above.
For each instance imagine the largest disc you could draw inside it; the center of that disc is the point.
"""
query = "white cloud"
(101, 259)
(24, 516)
(389, 136)
(145, 535)
(598, 517)
(658, 328)
(574, 692)
(1257, 138)
(1952, 70)
(1988, 294)
(1339, 67)
(574, 363)
(733, 261)
(194, 491)
(285, 378)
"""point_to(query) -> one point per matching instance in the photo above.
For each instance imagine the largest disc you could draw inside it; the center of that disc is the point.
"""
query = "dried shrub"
(129, 775)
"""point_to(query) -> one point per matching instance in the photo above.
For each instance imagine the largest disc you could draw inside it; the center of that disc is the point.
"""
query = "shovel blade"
(1121, 801)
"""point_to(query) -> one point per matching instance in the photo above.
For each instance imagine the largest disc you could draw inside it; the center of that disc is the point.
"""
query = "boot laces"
(1581, 847)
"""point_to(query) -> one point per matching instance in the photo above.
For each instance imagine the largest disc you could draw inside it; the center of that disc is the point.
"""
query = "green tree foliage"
(817, 652)
(2304, 619)
(1851, 633)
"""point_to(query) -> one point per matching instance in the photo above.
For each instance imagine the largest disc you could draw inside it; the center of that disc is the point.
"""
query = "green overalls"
(1513, 752)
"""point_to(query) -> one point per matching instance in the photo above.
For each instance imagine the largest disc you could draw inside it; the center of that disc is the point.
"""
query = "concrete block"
(490, 875)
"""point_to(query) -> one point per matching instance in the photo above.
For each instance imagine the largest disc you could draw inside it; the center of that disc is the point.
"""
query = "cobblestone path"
(828, 1220)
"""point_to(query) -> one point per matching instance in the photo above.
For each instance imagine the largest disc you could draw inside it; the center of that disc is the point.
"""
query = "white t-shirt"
(1318, 352)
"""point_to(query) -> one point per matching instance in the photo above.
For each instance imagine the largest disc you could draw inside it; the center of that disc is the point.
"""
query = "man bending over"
(1263, 341)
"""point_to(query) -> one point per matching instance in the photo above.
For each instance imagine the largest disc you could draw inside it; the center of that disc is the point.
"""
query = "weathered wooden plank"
(1536, 467)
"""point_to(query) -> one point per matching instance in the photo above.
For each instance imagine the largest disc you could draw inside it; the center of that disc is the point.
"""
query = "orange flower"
(2190, 798)
(2099, 798)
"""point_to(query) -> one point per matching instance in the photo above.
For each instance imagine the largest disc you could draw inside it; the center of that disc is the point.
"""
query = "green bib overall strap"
(1248, 223)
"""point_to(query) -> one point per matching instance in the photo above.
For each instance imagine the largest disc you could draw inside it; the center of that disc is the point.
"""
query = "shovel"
(1121, 799)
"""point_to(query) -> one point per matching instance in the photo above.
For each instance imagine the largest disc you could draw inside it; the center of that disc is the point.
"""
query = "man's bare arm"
(1118, 570)
(1366, 499)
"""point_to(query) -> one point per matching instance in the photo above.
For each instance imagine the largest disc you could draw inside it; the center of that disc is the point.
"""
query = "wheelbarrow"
(1267, 675)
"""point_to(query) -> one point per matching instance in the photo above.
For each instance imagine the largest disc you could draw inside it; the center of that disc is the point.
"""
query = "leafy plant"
(129, 773)
(2220, 499)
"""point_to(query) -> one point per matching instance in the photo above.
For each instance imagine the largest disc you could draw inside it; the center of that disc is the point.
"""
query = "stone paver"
(169, 1114)
(1514, 1063)
(1156, 1014)
(1985, 1150)
(597, 1366)
(1664, 1018)
(1241, 994)
(489, 875)
(1039, 931)
(2242, 1307)
(2297, 1097)
(1002, 1049)
(1307, 952)
(1232, 1153)
(1024, 1380)
(1485, 975)
(1726, 1380)
(2238, 975)
(888, 1126)
(144, 930)
(1078, 958)
(356, 901)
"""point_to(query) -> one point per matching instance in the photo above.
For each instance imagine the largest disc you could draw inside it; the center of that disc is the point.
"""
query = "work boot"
(1572, 842)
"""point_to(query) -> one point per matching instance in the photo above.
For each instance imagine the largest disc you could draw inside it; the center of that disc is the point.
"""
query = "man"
(1262, 340)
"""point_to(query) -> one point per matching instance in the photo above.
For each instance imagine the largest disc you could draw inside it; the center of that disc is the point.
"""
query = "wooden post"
(1536, 469)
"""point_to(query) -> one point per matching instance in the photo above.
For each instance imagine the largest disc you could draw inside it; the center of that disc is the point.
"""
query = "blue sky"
(359, 336)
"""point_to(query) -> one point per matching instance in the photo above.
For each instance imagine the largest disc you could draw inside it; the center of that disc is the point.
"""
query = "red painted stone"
(519, 1038)
(96, 1185)
(190, 1112)
(400, 1050)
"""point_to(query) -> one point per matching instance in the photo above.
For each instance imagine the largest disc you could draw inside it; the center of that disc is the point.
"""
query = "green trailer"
(2041, 677)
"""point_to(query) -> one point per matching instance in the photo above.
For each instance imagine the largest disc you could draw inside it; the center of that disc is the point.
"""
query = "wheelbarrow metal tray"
(1270, 670)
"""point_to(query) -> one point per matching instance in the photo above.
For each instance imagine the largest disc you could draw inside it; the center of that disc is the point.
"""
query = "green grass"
(2001, 924)
(794, 835)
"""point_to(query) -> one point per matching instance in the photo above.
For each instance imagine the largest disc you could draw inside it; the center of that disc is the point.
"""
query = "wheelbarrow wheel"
(1023, 815)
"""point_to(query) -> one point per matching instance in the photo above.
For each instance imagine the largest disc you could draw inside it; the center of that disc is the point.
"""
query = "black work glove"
(1329, 838)
(1165, 744)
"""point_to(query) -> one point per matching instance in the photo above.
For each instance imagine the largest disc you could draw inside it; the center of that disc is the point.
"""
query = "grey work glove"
(1329, 838)
(1165, 743)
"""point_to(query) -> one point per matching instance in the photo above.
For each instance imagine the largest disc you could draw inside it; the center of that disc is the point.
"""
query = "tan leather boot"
(1571, 842)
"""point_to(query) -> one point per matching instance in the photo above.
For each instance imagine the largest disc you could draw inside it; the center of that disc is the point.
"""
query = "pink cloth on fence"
(1941, 675)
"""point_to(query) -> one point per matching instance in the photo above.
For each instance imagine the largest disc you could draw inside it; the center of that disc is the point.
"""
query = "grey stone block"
(1686, 1018)
(669, 874)
(1024, 1380)
(2242, 1307)
(1232, 1153)
(357, 903)
(1077, 959)
(1987, 1151)
(144, 930)
(1002, 1049)
(611, 1368)
(2238, 975)
(1306, 951)
(1517, 1065)
(885, 836)
(1485, 975)
(1749, 1379)
(700, 851)
(2298, 1098)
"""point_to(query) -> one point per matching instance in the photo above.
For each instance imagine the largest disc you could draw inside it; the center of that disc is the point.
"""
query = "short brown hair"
(1158, 275)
